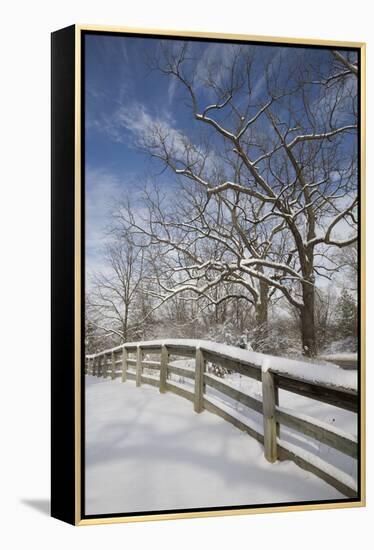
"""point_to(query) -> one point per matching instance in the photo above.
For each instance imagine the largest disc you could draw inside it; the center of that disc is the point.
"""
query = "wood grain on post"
(113, 366)
(139, 366)
(276, 389)
(270, 425)
(105, 366)
(199, 381)
(164, 368)
(124, 365)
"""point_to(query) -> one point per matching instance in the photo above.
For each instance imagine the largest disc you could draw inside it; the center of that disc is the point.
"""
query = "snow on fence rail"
(327, 384)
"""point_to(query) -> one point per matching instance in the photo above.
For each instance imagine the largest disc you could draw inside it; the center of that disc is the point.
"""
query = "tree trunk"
(124, 325)
(308, 328)
(262, 306)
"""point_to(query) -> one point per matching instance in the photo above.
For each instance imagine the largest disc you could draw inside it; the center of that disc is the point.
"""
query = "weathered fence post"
(113, 365)
(276, 389)
(199, 381)
(100, 366)
(139, 355)
(105, 366)
(94, 366)
(270, 425)
(164, 368)
(124, 365)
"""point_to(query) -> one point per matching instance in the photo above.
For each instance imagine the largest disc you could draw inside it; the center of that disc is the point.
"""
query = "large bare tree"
(267, 166)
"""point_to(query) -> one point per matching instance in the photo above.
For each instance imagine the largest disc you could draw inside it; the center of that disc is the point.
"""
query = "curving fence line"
(128, 362)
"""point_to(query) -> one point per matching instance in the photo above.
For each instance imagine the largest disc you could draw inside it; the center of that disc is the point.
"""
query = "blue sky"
(118, 81)
(122, 96)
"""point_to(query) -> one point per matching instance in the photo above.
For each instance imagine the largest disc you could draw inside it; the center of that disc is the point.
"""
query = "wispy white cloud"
(143, 125)
(155, 133)
(261, 82)
(217, 57)
(172, 88)
(132, 120)
(102, 190)
(105, 192)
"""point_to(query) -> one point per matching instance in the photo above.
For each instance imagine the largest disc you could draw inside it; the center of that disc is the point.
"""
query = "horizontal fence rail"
(129, 361)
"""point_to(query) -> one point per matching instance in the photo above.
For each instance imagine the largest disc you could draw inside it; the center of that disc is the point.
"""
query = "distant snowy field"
(148, 451)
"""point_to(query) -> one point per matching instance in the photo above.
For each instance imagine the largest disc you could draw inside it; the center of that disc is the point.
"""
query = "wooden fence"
(129, 361)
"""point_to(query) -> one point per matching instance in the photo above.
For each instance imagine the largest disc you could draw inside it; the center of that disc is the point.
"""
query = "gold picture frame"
(67, 490)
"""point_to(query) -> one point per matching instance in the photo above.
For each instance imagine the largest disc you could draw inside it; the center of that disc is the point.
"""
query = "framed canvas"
(207, 274)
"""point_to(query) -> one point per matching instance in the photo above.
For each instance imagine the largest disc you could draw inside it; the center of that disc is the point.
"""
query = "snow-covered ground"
(149, 451)
(335, 417)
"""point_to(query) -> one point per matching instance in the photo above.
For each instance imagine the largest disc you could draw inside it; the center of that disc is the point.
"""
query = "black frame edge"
(63, 489)
(62, 274)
